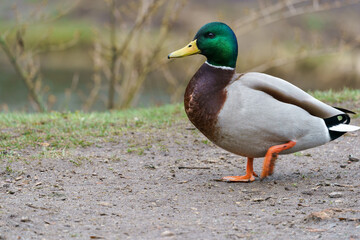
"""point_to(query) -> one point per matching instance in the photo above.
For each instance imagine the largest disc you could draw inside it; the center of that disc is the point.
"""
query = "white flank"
(221, 67)
(344, 128)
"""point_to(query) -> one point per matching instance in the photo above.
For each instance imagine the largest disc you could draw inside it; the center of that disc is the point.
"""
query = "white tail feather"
(344, 128)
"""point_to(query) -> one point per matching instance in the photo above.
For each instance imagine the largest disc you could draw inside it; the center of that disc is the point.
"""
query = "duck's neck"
(205, 95)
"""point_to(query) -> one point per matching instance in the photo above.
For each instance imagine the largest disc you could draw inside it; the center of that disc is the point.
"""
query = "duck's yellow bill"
(189, 49)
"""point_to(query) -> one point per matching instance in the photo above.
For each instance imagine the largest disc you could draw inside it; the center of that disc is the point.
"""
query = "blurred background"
(112, 54)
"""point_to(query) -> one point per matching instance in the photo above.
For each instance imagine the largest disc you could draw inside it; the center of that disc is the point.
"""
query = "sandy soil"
(166, 190)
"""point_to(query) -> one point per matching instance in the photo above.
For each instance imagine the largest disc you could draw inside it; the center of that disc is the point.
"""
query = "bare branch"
(282, 10)
(98, 66)
(114, 54)
(300, 56)
(170, 15)
(25, 77)
(150, 9)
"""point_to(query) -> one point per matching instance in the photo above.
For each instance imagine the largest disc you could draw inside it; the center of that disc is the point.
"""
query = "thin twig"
(185, 167)
(98, 66)
(114, 54)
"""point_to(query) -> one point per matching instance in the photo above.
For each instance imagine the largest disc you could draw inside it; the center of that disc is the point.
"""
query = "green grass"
(331, 96)
(56, 130)
(64, 31)
(55, 32)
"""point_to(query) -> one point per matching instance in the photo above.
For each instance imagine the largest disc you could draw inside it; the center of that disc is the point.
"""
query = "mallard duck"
(252, 114)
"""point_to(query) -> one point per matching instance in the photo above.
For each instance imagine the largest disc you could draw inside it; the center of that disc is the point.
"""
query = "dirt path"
(113, 191)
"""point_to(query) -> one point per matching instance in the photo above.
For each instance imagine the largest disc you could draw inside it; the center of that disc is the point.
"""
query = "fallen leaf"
(349, 219)
(96, 237)
(44, 144)
(318, 216)
(331, 213)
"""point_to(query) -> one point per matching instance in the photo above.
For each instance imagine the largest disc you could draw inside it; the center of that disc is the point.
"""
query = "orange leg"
(271, 156)
(248, 177)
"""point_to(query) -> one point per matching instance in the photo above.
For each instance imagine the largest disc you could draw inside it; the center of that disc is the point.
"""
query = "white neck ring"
(220, 67)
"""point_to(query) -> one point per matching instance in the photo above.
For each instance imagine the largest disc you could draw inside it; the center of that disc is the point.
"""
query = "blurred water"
(56, 81)
(14, 94)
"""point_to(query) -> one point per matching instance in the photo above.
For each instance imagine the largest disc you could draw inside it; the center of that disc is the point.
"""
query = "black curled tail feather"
(336, 120)
(344, 110)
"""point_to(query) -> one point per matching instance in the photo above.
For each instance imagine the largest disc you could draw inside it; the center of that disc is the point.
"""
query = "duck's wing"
(286, 92)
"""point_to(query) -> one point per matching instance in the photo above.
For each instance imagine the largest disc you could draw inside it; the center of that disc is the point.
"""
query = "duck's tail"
(338, 125)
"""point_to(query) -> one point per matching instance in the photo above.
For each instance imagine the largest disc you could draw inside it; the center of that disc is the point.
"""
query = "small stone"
(353, 159)
(336, 195)
(11, 191)
(3, 153)
(25, 219)
(105, 204)
(167, 234)
(149, 166)
(272, 203)
(258, 199)
(18, 178)
(307, 193)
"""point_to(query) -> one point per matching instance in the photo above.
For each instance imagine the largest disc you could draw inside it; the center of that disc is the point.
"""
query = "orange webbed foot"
(271, 156)
(245, 178)
(248, 177)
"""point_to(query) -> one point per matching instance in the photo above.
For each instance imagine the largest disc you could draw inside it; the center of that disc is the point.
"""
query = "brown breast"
(204, 97)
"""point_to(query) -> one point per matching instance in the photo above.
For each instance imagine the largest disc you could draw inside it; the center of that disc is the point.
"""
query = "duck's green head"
(216, 41)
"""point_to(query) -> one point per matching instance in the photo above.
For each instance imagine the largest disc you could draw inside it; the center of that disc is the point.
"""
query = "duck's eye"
(210, 35)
